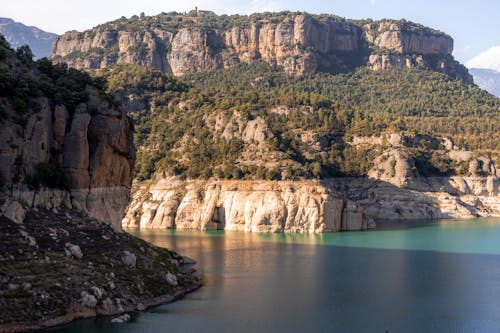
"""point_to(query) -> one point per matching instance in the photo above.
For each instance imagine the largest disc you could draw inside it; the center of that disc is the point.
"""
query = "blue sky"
(473, 24)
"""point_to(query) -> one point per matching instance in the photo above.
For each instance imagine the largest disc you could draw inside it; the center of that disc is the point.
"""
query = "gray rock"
(121, 319)
(13, 286)
(171, 279)
(129, 259)
(88, 300)
(73, 250)
(13, 210)
(98, 292)
(107, 305)
(31, 241)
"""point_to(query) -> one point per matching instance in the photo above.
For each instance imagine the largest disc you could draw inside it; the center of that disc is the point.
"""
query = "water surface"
(442, 276)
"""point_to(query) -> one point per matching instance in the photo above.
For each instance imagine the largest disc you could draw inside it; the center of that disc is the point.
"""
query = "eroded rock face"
(397, 37)
(254, 206)
(424, 197)
(339, 204)
(300, 43)
(93, 148)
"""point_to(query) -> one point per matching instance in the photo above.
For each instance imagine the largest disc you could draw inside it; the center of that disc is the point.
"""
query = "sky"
(473, 24)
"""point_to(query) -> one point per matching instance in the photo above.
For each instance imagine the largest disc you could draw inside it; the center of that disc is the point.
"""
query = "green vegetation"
(181, 124)
(21, 85)
(50, 175)
(174, 21)
(24, 87)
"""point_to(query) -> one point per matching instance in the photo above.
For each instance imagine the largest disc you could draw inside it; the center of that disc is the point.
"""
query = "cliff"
(336, 204)
(65, 143)
(397, 187)
(66, 164)
(300, 43)
(253, 206)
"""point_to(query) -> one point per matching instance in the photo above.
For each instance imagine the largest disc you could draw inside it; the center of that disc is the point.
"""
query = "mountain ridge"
(300, 43)
(19, 34)
(487, 79)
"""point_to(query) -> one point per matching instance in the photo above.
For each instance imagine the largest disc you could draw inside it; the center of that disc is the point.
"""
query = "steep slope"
(65, 142)
(254, 122)
(66, 163)
(207, 143)
(298, 42)
(487, 79)
(18, 34)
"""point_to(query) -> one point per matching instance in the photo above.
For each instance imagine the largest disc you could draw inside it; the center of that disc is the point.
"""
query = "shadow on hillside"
(422, 198)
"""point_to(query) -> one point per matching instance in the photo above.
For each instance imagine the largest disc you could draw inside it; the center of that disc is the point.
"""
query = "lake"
(440, 276)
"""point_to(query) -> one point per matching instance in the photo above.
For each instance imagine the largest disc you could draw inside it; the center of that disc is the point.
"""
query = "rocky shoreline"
(60, 265)
(335, 204)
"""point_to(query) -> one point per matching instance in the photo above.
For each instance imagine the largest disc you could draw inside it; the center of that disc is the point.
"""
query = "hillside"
(487, 79)
(65, 140)
(256, 122)
(300, 43)
(18, 34)
(66, 163)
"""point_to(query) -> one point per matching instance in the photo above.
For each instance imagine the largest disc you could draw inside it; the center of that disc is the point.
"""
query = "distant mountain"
(18, 34)
(487, 79)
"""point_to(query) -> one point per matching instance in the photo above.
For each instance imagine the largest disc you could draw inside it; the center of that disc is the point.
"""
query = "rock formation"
(300, 43)
(54, 155)
(339, 204)
(255, 206)
(393, 189)
(66, 164)
(99, 171)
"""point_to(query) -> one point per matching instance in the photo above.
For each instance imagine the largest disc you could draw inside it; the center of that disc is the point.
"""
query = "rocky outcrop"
(61, 266)
(396, 187)
(338, 204)
(406, 38)
(300, 43)
(424, 198)
(56, 156)
(95, 151)
(254, 206)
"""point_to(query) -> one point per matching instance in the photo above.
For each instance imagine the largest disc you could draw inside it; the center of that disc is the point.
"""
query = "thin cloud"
(488, 59)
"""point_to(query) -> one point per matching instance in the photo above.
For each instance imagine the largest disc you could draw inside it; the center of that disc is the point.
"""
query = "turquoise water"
(442, 276)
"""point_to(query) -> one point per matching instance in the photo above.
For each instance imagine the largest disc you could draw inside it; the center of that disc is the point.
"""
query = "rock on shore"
(75, 269)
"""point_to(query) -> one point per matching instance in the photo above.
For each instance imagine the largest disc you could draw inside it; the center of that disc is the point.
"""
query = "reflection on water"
(442, 277)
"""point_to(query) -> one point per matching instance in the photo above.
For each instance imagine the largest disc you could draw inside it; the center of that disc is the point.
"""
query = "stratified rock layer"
(340, 204)
(300, 43)
(93, 146)
(255, 206)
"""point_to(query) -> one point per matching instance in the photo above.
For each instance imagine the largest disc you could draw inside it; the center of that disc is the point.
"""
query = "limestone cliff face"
(397, 189)
(393, 189)
(99, 171)
(255, 206)
(424, 198)
(300, 43)
(338, 204)
(404, 39)
(54, 156)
